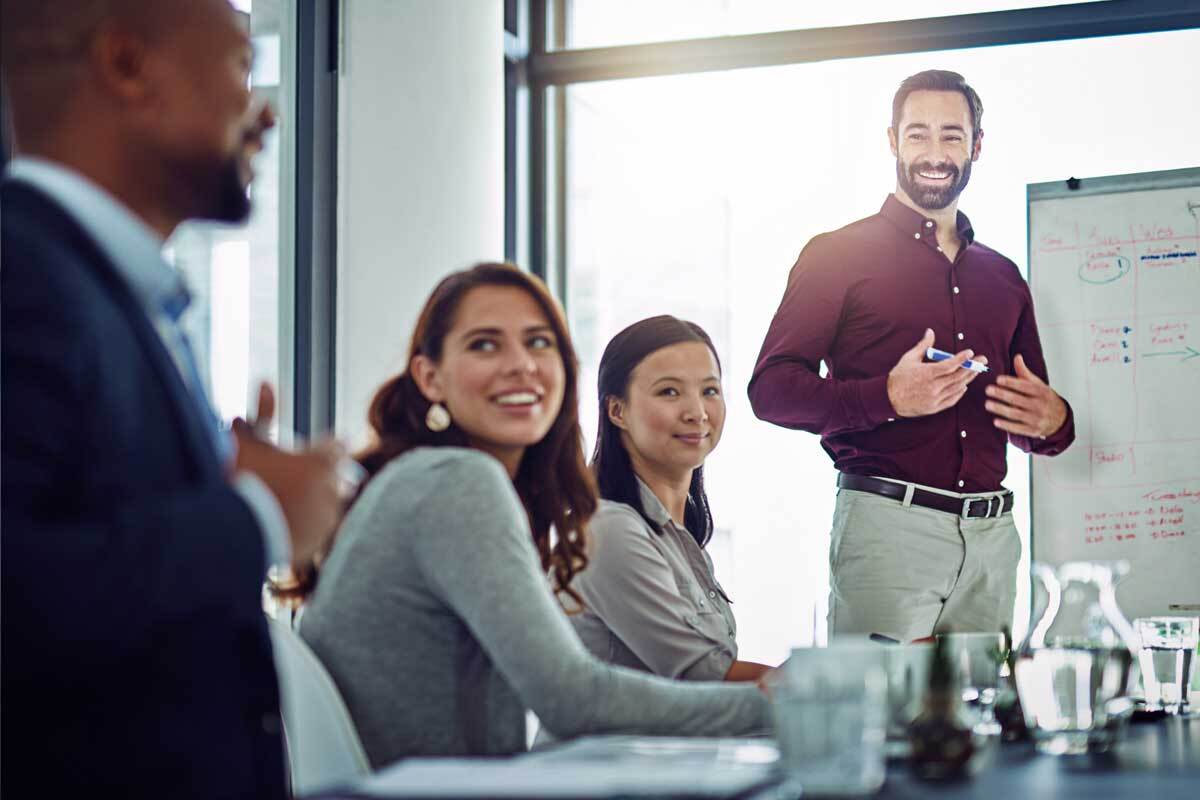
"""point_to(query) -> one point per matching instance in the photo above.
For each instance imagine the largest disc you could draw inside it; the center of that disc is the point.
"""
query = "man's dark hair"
(938, 80)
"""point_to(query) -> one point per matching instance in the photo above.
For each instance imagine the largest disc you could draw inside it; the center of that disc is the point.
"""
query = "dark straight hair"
(939, 80)
(610, 460)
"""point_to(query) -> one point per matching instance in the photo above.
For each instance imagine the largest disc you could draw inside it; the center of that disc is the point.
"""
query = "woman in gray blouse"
(432, 613)
(651, 600)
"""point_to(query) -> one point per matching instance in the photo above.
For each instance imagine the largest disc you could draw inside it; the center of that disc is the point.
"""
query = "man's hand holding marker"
(918, 388)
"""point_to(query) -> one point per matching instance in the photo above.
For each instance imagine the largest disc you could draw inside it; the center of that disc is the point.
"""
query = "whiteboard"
(1115, 273)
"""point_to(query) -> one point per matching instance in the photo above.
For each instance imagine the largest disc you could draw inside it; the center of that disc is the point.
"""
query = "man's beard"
(932, 197)
(230, 199)
(212, 190)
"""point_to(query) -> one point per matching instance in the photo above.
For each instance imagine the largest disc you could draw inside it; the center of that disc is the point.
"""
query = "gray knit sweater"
(434, 617)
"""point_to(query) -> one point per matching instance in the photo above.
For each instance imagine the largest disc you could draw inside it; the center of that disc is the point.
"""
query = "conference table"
(1156, 760)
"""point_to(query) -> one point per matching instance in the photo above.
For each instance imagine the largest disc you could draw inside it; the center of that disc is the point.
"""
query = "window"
(603, 23)
(239, 275)
(693, 195)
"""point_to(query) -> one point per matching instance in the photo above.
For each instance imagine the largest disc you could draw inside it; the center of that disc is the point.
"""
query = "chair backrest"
(322, 744)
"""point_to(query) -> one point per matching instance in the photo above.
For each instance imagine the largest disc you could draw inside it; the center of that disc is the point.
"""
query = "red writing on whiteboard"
(1168, 332)
(1154, 521)
(1112, 344)
(1168, 327)
(1133, 514)
(1190, 494)
(1155, 232)
(1095, 237)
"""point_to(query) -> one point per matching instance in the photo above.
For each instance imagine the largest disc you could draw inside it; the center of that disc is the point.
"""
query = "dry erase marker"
(933, 354)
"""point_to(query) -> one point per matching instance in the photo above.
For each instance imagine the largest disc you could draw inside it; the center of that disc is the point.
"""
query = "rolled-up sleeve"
(786, 387)
(631, 587)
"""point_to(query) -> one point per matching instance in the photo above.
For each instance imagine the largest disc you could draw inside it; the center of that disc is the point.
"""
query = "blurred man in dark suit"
(136, 533)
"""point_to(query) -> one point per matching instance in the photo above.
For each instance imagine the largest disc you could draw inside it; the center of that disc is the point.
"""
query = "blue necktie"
(173, 306)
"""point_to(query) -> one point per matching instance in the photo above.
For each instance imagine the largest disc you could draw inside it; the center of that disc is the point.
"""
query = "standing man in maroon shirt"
(923, 539)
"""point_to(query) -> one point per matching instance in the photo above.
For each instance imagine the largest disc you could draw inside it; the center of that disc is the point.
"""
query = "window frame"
(314, 234)
(544, 69)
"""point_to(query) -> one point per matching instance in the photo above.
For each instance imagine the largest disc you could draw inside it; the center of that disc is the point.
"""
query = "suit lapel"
(191, 423)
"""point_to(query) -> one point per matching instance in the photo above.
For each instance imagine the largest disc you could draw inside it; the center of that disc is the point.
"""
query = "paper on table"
(626, 766)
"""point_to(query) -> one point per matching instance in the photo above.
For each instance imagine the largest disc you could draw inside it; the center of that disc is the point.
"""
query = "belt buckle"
(966, 507)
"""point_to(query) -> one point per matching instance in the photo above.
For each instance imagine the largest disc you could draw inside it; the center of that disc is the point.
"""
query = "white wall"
(420, 174)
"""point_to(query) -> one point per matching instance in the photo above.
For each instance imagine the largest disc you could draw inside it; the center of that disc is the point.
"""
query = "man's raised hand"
(1024, 404)
(305, 482)
(917, 388)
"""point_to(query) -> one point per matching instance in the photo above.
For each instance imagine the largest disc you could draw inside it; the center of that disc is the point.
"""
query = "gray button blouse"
(651, 600)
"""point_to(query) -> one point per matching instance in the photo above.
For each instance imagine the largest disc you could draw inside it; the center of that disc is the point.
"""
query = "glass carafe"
(1074, 671)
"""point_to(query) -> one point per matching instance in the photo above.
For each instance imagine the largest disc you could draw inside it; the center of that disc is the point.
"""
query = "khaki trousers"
(910, 572)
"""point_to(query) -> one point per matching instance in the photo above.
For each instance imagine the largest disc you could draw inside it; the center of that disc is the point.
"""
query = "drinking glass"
(830, 719)
(283, 594)
(1166, 658)
(1074, 696)
(977, 660)
(907, 680)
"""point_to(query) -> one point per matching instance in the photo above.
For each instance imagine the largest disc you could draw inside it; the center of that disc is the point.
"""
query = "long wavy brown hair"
(554, 483)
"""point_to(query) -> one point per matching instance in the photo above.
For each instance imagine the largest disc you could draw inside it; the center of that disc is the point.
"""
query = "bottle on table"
(941, 735)
(1009, 712)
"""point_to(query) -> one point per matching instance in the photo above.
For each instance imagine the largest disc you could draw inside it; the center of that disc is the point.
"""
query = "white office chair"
(323, 749)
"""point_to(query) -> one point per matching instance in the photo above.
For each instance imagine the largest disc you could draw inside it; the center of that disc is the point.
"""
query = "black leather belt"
(965, 508)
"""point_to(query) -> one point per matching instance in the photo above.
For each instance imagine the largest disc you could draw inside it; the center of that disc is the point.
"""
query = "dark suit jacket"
(136, 660)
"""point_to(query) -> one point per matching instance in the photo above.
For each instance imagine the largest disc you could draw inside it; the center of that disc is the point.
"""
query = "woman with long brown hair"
(432, 612)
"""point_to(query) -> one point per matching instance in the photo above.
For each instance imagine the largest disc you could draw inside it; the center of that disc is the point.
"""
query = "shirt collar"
(910, 221)
(130, 244)
(653, 507)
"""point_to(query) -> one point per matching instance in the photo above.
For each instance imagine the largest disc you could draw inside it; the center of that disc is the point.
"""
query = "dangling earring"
(437, 419)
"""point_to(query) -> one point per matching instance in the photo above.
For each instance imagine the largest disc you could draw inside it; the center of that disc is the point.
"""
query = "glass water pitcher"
(1074, 670)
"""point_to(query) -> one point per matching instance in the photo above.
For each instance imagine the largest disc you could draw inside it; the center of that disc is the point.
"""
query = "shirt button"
(956, 290)
(963, 434)
(928, 224)
(960, 336)
(891, 419)
(702, 601)
(917, 235)
(712, 595)
(961, 484)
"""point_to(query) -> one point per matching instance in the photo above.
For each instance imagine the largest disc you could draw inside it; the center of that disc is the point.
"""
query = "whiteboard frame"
(1083, 187)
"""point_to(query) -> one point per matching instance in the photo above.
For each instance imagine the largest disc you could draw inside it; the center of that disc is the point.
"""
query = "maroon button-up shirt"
(858, 298)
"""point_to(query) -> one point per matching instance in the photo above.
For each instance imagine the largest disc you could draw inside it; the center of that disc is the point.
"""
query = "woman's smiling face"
(674, 412)
(500, 374)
